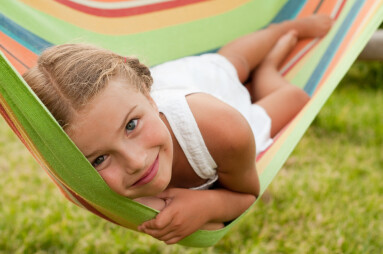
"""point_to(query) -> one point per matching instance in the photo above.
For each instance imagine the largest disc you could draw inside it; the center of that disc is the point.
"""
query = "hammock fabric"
(161, 30)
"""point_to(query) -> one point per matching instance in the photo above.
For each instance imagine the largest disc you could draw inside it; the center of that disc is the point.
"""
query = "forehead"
(104, 114)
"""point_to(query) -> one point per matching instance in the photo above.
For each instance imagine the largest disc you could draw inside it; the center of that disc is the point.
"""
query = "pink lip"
(149, 175)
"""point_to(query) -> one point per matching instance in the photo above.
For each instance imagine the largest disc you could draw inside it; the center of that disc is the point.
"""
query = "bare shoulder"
(226, 132)
(230, 141)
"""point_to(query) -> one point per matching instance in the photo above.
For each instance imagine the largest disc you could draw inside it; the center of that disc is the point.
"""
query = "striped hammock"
(158, 31)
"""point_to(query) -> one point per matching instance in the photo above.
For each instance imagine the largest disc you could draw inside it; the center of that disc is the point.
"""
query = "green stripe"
(59, 151)
(321, 97)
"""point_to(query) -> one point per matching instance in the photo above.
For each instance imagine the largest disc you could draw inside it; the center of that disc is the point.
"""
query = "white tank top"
(173, 104)
(215, 75)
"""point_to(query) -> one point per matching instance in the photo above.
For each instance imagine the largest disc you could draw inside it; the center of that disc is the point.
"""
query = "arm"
(189, 210)
(152, 202)
(230, 141)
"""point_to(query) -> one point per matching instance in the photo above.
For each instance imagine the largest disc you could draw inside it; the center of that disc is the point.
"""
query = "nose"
(133, 159)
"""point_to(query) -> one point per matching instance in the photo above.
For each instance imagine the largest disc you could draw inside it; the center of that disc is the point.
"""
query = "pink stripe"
(127, 11)
(292, 64)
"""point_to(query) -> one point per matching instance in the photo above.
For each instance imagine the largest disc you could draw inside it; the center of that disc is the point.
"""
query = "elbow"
(250, 199)
(255, 192)
(254, 185)
(257, 188)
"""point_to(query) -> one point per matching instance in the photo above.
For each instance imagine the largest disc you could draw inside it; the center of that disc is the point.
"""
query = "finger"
(160, 234)
(171, 237)
(164, 218)
(174, 240)
(152, 228)
(158, 223)
(171, 234)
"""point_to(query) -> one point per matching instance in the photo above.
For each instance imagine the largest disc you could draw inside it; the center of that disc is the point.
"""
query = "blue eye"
(98, 161)
(131, 125)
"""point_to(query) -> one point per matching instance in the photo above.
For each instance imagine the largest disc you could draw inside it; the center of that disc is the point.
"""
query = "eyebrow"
(122, 126)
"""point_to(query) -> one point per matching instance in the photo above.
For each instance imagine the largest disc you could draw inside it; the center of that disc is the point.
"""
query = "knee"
(240, 64)
(298, 96)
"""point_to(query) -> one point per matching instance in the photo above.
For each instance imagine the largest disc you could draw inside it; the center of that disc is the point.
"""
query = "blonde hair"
(68, 76)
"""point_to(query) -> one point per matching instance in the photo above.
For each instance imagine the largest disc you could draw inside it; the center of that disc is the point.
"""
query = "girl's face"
(121, 134)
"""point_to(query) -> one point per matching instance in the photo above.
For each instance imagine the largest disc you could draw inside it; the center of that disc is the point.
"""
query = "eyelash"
(94, 162)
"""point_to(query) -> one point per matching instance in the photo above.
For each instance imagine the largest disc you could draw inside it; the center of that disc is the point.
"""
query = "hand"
(185, 212)
(153, 202)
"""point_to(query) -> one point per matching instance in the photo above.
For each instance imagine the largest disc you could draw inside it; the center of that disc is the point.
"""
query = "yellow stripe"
(271, 153)
(139, 23)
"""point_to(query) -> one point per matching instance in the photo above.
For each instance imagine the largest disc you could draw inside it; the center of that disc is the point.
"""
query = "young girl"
(167, 144)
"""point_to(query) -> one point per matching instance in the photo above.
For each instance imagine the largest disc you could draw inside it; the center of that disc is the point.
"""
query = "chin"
(163, 185)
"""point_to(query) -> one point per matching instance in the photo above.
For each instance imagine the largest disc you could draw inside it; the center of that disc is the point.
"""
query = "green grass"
(326, 199)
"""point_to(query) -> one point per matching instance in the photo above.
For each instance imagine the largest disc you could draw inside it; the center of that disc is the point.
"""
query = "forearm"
(243, 182)
(189, 210)
(223, 205)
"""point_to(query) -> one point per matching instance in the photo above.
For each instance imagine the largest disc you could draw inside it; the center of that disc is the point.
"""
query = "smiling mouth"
(149, 175)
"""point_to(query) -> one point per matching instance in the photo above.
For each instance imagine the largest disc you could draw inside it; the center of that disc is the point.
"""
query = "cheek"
(157, 133)
(112, 178)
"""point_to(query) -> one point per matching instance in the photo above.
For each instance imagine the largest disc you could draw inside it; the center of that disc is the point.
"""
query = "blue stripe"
(289, 11)
(332, 48)
(23, 36)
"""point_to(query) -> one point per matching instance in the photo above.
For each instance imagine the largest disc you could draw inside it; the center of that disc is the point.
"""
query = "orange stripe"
(327, 7)
(265, 160)
(25, 55)
(136, 24)
(309, 8)
(347, 41)
(18, 66)
(352, 33)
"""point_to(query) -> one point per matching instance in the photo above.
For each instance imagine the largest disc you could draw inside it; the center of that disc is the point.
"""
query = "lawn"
(328, 197)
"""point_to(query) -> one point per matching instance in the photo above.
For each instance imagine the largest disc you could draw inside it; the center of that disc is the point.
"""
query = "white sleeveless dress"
(215, 75)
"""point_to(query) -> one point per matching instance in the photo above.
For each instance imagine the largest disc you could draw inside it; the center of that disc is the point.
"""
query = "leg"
(266, 78)
(281, 100)
(283, 105)
(247, 52)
